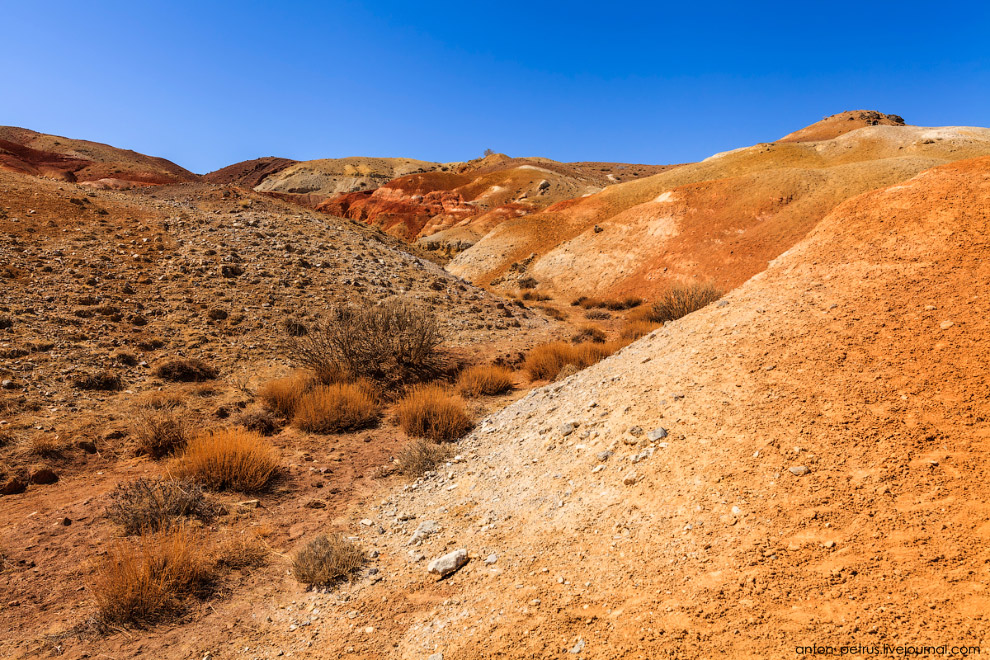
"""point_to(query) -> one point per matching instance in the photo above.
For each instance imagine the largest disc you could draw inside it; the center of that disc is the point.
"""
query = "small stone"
(448, 563)
(945, 325)
(658, 433)
(87, 446)
(491, 559)
(44, 476)
(604, 455)
(251, 504)
(636, 431)
(436, 656)
(14, 486)
(578, 647)
(367, 522)
(630, 478)
(66, 522)
(568, 428)
(799, 470)
(8, 384)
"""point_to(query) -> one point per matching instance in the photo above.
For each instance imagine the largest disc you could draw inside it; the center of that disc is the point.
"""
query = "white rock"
(448, 563)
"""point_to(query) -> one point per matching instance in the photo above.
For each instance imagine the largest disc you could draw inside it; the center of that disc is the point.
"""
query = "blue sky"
(210, 83)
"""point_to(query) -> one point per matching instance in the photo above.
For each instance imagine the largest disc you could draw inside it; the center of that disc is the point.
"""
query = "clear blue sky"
(210, 83)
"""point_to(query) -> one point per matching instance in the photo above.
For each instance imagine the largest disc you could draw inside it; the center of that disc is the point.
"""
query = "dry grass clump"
(484, 379)
(229, 459)
(186, 371)
(236, 551)
(161, 432)
(337, 408)
(535, 295)
(325, 560)
(149, 505)
(421, 456)
(103, 380)
(597, 315)
(552, 312)
(283, 394)
(150, 580)
(633, 330)
(560, 359)
(44, 445)
(679, 301)
(432, 411)
(261, 421)
(607, 303)
(589, 333)
(392, 343)
(544, 362)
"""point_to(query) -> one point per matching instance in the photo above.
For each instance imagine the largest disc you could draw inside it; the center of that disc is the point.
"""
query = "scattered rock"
(578, 647)
(799, 470)
(604, 455)
(449, 563)
(491, 559)
(636, 431)
(568, 428)
(87, 446)
(44, 476)
(14, 486)
(8, 384)
(658, 433)
(945, 325)
(630, 478)
(425, 529)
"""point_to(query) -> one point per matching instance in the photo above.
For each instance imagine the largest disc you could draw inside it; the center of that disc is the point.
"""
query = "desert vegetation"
(150, 505)
(229, 459)
(421, 456)
(679, 301)
(484, 380)
(337, 408)
(391, 344)
(433, 411)
(185, 371)
(160, 432)
(326, 559)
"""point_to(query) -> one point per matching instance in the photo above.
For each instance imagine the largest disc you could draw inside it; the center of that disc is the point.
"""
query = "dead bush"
(421, 456)
(236, 551)
(589, 333)
(229, 459)
(597, 315)
(432, 411)
(552, 312)
(337, 408)
(484, 379)
(261, 421)
(679, 301)
(44, 445)
(152, 578)
(149, 505)
(103, 380)
(160, 432)
(535, 296)
(391, 343)
(282, 395)
(325, 560)
(185, 371)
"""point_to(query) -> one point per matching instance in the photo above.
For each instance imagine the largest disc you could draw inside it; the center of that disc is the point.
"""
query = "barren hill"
(835, 125)
(801, 463)
(458, 206)
(720, 219)
(249, 173)
(93, 163)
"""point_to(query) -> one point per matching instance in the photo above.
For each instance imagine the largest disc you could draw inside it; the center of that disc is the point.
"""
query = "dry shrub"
(149, 505)
(337, 408)
(283, 394)
(607, 303)
(552, 312)
(635, 329)
(589, 354)
(260, 421)
(544, 362)
(597, 315)
(103, 380)
(236, 551)
(535, 295)
(146, 581)
(185, 371)
(432, 411)
(229, 459)
(161, 432)
(326, 559)
(421, 456)
(484, 379)
(391, 343)
(679, 301)
(589, 333)
(44, 445)
(162, 400)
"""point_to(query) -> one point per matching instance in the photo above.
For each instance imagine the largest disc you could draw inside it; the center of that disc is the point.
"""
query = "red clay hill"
(92, 163)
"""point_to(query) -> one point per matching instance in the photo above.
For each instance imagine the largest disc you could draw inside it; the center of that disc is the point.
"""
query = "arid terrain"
(797, 459)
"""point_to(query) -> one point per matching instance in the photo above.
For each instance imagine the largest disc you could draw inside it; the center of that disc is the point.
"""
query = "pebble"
(945, 325)
(630, 478)
(799, 470)
(636, 431)
(578, 646)
(491, 559)
(436, 656)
